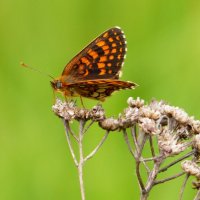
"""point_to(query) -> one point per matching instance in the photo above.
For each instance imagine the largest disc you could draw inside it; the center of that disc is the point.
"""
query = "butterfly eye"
(58, 85)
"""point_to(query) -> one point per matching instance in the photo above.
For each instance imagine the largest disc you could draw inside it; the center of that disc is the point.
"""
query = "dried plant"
(166, 130)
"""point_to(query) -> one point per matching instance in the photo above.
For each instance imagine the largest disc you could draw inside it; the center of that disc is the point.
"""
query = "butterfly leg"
(66, 99)
(82, 102)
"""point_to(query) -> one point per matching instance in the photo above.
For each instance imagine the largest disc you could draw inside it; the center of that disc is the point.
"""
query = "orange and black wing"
(101, 59)
(100, 89)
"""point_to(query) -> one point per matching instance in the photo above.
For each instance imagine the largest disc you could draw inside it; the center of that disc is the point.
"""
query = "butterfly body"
(94, 72)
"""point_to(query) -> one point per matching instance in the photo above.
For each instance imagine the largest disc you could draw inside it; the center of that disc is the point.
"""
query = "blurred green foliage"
(163, 58)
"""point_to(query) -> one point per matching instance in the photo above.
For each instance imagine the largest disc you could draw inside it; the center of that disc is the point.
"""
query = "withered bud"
(109, 124)
(132, 114)
(157, 105)
(69, 111)
(64, 110)
(97, 113)
(196, 126)
(181, 116)
(146, 111)
(196, 142)
(81, 113)
(169, 143)
(148, 126)
(177, 113)
(135, 102)
(125, 123)
(168, 110)
(191, 168)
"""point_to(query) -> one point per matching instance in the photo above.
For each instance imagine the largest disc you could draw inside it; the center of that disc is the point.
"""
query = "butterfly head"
(56, 84)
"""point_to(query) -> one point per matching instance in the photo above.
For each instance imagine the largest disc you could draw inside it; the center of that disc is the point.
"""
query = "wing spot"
(120, 49)
(85, 60)
(110, 39)
(118, 28)
(105, 35)
(90, 66)
(118, 38)
(103, 59)
(103, 72)
(105, 47)
(81, 86)
(106, 52)
(114, 44)
(114, 51)
(95, 94)
(93, 54)
(110, 71)
(86, 73)
(101, 65)
(120, 74)
(81, 69)
(111, 57)
(101, 43)
(101, 90)
(109, 64)
(115, 33)
(119, 56)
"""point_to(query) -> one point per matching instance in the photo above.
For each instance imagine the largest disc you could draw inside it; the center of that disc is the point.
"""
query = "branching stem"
(97, 147)
(176, 161)
(66, 125)
(81, 159)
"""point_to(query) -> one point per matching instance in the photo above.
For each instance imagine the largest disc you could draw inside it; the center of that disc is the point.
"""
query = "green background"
(163, 58)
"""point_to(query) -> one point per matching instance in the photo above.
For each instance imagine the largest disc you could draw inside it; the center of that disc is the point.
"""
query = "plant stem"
(168, 179)
(183, 186)
(176, 161)
(66, 125)
(151, 179)
(81, 159)
(128, 143)
(197, 197)
(151, 146)
(97, 147)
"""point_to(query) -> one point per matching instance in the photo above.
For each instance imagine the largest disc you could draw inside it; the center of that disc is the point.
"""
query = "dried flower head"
(177, 113)
(196, 142)
(157, 105)
(109, 124)
(196, 126)
(170, 144)
(135, 102)
(64, 110)
(132, 114)
(69, 111)
(148, 126)
(97, 113)
(148, 112)
(191, 168)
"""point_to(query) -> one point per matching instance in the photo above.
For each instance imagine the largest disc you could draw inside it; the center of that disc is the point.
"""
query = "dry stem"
(81, 159)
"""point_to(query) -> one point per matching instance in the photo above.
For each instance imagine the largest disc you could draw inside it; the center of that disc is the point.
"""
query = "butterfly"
(94, 72)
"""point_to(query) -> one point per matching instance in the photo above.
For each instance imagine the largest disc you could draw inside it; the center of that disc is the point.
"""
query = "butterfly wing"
(100, 89)
(101, 59)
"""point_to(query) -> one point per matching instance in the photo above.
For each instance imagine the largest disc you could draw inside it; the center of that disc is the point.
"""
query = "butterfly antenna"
(36, 70)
